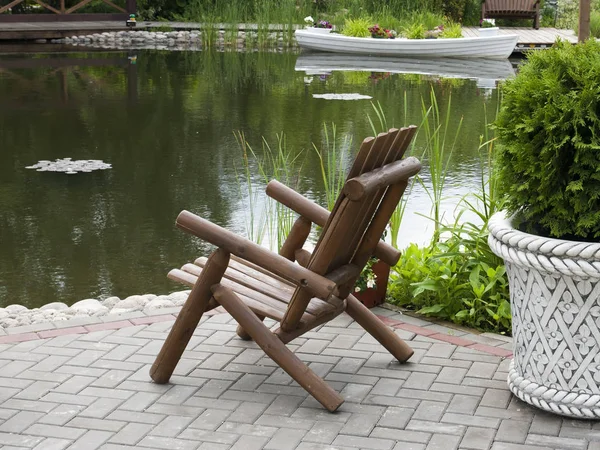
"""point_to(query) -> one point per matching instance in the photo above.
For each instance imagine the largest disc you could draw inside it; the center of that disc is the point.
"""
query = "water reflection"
(166, 125)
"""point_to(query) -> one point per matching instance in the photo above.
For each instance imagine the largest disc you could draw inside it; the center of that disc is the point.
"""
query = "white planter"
(318, 30)
(487, 32)
(555, 301)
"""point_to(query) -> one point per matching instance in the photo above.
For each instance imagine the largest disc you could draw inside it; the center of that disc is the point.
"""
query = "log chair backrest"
(355, 226)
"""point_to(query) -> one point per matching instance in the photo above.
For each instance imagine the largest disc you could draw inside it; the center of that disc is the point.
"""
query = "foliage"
(454, 9)
(268, 219)
(367, 278)
(549, 130)
(415, 31)
(331, 159)
(452, 31)
(457, 277)
(487, 23)
(458, 280)
(358, 27)
(595, 24)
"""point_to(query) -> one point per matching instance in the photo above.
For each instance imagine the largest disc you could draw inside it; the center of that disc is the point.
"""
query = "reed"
(331, 161)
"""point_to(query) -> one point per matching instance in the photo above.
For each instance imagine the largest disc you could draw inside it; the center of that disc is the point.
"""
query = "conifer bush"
(549, 140)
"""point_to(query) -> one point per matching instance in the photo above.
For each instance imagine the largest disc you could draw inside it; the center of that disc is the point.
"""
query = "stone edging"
(178, 40)
(118, 321)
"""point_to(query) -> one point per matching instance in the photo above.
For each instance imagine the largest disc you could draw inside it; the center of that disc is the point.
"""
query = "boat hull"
(493, 47)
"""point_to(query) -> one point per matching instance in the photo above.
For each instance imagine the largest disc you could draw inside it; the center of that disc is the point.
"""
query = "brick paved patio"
(87, 387)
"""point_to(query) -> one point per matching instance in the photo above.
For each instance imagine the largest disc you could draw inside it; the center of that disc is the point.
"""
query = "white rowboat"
(494, 47)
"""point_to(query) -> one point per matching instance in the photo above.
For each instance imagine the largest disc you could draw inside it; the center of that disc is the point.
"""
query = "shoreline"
(19, 318)
(191, 40)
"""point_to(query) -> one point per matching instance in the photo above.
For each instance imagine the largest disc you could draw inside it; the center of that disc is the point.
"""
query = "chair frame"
(375, 192)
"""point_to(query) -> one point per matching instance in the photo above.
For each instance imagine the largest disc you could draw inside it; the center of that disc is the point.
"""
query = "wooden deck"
(530, 38)
(55, 30)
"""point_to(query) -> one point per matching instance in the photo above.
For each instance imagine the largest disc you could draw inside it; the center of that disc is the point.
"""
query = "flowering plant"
(367, 278)
(323, 24)
(382, 33)
(487, 23)
(320, 24)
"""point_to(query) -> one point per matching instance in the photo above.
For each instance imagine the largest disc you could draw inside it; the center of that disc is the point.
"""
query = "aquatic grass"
(268, 219)
(438, 151)
(331, 162)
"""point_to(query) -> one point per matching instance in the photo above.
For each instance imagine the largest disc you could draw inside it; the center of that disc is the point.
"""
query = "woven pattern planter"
(555, 292)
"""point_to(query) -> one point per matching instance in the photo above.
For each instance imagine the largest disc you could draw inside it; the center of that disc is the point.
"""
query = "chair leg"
(189, 317)
(242, 333)
(276, 349)
(376, 328)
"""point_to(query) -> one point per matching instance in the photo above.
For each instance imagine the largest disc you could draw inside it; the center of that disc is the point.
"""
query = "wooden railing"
(62, 13)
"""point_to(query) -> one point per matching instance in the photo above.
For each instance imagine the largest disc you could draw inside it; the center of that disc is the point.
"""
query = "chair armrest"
(319, 215)
(318, 285)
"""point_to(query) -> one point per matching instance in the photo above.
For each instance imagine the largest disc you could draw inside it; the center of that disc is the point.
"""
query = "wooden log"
(378, 224)
(302, 257)
(367, 183)
(296, 239)
(376, 328)
(189, 317)
(276, 350)
(243, 334)
(319, 215)
(318, 285)
(288, 336)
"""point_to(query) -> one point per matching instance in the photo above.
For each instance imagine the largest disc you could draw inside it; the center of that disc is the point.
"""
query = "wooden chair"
(512, 9)
(252, 283)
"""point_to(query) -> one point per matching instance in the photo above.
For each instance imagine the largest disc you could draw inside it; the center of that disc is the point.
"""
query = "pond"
(165, 121)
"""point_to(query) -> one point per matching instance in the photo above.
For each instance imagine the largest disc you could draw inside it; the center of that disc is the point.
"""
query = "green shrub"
(595, 24)
(415, 31)
(549, 134)
(357, 27)
(454, 9)
(452, 30)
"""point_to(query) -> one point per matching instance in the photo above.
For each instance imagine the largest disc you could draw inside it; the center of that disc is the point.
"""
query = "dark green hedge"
(549, 136)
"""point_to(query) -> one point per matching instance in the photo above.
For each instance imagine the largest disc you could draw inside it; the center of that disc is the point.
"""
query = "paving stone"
(401, 435)
(60, 432)
(546, 424)
(443, 442)
(557, 442)
(366, 443)
(20, 421)
(52, 444)
(513, 431)
(478, 438)
(463, 419)
(284, 439)
(418, 380)
(428, 410)
(91, 440)
(433, 427)
(323, 432)
(171, 426)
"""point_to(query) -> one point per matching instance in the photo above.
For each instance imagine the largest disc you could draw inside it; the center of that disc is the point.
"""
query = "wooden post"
(189, 317)
(584, 20)
(276, 349)
(376, 328)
